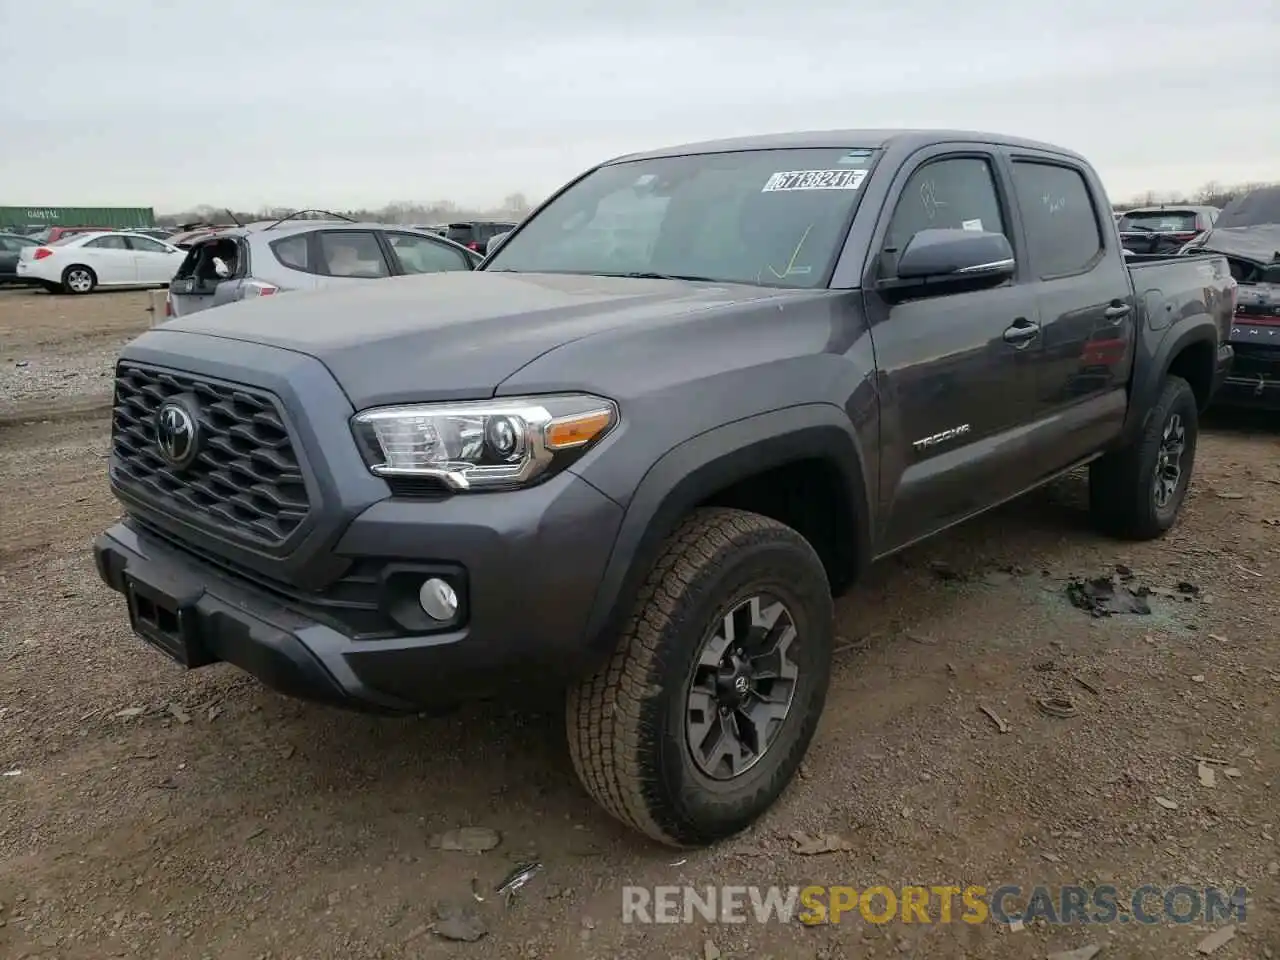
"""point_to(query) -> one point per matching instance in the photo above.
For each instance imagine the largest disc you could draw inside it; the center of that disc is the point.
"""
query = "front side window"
(1063, 231)
(953, 193)
(770, 217)
(420, 255)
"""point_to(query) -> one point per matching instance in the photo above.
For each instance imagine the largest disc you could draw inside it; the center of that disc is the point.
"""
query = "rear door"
(109, 257)
(958, 368)
(1085, 299)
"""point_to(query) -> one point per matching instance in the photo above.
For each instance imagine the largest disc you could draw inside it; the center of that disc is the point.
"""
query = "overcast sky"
(342, 103)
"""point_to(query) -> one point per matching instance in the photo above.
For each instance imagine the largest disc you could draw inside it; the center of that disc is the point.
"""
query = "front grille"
(245, 481)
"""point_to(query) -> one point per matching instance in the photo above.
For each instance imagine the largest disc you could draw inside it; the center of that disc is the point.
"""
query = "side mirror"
(950, 260)
(496, 242)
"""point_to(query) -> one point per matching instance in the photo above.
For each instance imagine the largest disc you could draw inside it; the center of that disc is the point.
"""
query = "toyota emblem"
(176, 433)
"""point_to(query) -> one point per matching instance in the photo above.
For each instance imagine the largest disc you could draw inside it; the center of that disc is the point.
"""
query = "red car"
(56, 233)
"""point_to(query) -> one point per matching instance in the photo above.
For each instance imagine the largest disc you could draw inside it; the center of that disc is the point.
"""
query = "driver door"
(958, 370)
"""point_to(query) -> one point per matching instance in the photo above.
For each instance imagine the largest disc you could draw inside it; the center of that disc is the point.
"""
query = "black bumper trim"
(1255, 391)
(234, 624)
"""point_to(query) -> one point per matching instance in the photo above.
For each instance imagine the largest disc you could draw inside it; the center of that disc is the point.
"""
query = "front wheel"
(700, 719)
(1136, 493)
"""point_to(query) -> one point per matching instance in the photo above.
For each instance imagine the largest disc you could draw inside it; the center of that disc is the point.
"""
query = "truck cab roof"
(873, 139)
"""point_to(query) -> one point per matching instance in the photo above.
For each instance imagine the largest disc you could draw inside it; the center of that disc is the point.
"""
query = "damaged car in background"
(1248, 234)
(262, 259)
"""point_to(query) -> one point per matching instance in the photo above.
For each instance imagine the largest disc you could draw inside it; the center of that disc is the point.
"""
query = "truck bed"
(1169, 286)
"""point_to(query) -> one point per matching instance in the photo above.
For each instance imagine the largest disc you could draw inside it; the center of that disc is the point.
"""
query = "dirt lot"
(147, 813)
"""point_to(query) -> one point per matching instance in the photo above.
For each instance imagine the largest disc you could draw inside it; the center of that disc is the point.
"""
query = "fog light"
(438, 599)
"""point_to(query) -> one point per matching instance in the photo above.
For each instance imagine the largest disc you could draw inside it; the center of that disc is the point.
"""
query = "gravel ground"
(155, 814)
(57, 352)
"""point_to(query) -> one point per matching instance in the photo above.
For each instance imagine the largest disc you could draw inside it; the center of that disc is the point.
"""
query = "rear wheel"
(78, 278)
(1136, 493)
(700, 719)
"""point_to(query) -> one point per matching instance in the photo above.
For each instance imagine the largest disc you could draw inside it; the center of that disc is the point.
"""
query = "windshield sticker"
(846, 179)
(854, 157)
(971, 225)
(644, 180)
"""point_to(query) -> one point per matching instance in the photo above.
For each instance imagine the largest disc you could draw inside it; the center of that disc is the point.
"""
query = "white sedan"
(82, 262)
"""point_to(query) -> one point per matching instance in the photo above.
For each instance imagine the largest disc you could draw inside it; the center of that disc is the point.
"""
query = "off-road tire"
(78, 268)
(1122, 483)
(626, 724)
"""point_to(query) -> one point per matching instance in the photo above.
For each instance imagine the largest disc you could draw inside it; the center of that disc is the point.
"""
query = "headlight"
(485, 444)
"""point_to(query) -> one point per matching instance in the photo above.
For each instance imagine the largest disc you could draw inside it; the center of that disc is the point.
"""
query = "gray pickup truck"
(634, 455)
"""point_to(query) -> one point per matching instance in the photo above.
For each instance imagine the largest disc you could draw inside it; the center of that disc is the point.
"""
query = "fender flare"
(695, 469)
(1149, 374)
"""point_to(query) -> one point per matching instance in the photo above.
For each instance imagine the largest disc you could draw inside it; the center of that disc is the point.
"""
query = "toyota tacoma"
(637, 452)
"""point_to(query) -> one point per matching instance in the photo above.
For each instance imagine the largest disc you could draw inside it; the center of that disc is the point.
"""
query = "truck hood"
(453, 336)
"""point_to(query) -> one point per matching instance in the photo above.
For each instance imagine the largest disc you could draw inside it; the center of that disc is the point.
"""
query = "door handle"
(1022, 331)
(1117, 310)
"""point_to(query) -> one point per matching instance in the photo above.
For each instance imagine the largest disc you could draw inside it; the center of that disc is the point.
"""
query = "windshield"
(770, 217)
(1160, 221)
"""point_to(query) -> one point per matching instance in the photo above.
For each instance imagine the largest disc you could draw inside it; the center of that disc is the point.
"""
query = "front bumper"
(527, 565)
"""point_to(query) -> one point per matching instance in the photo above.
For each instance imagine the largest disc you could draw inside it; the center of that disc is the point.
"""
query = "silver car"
(262, 259)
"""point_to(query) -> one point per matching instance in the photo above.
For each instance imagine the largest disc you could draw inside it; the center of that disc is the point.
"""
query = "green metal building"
(117, 218)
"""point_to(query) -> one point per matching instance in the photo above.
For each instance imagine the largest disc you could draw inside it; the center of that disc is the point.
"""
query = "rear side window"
(1063, 231)
(292, 252)
(351, 253)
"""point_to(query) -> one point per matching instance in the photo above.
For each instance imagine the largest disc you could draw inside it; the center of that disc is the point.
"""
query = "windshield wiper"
(631, 275)
(649, 275)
